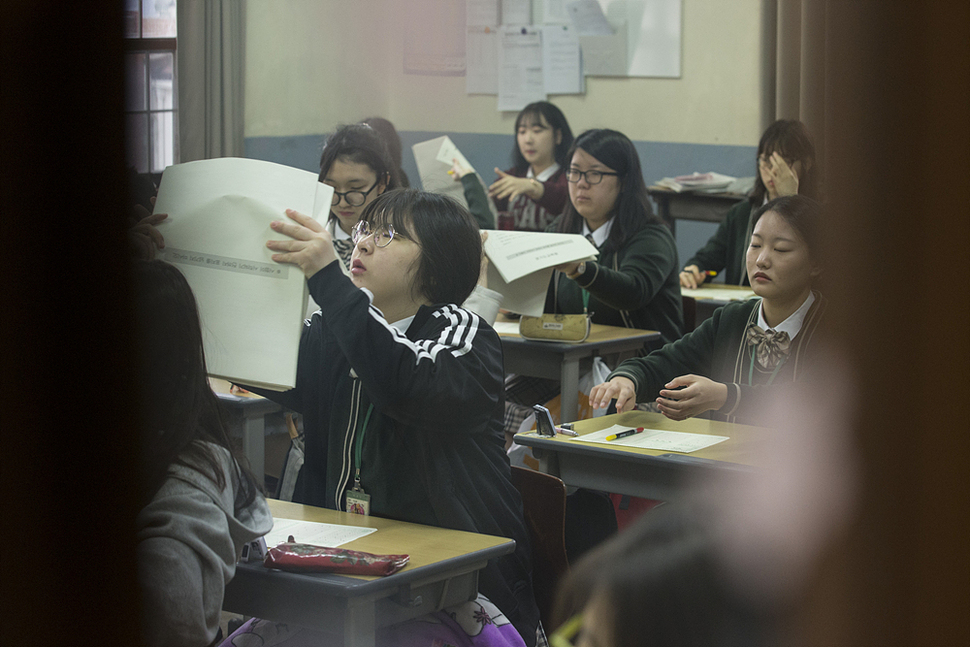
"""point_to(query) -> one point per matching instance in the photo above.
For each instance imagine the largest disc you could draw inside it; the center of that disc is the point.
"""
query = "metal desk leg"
(254, 443)
(359, 624)
(569, 381)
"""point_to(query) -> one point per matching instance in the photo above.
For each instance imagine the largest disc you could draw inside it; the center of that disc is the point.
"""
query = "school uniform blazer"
(432, 451)
(726, 250)
(550, 205)
(717, 349)
(635, 286)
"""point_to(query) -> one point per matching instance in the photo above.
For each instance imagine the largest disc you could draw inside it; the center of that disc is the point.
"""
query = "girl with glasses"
(785, 165)
(532, 193)
(633, 282)
(356, 163)
(730, 362)
(401, 388)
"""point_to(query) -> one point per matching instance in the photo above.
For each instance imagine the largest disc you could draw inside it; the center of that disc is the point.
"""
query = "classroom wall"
(312, 64)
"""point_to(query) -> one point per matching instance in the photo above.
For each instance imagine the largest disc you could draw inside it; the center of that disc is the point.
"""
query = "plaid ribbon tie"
(770, 347)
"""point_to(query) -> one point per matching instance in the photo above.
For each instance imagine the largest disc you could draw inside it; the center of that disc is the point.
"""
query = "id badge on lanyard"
(357, 501)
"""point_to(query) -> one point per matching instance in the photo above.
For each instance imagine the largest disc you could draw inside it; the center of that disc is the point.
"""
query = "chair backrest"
(690, 313)
(544, 507)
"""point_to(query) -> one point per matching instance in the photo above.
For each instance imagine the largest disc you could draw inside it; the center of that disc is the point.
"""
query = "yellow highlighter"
(624, 434)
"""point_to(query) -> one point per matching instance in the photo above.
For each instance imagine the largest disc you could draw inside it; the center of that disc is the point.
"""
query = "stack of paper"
(521, 264)
(698, 182)
(434, 159)
(252, 308)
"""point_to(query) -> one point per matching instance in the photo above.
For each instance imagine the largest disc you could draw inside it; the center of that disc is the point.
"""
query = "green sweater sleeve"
(726, 248)
(692, 353)
(477, 201)
(641, 273)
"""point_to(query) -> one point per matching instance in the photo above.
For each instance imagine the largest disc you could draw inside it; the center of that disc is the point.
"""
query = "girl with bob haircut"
(401, 389)
(532, 193)
(785, 166)
(201, 505)
(356, 163)
(730, 362)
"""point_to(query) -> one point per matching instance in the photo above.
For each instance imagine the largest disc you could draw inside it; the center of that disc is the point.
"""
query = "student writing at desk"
(200, 504)
(532, 193)
(785, 166)
(401, 389)
(730, 362)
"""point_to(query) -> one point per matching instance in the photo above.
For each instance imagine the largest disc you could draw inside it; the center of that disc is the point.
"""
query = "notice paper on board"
(667, 441)
(521, 262)
(252, 308)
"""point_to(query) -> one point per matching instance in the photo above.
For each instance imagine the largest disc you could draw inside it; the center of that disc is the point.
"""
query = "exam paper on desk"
(670, 441)
(312, 532)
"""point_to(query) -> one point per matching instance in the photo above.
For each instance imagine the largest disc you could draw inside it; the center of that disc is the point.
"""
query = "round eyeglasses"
(382, 236)
(353, 198)
(592, 177)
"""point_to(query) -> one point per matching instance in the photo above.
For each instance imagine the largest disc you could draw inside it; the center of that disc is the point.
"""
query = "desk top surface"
(654, 189)
(426, 545)
(738, 448)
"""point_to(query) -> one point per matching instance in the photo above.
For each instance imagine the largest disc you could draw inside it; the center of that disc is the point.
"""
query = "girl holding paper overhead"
(728, 363)
(356, 163)
(532, 193)
(785, 166)
(401, 389)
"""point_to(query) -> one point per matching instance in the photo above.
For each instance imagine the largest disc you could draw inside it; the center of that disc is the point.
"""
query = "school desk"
(561, 360)
(646, 473)
(689, 205)
(442, 571)
(253, 410)
(711, 296)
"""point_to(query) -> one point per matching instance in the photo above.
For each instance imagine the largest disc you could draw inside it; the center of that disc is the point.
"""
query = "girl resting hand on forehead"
(730, 362)
(401, 389)
(785, 166)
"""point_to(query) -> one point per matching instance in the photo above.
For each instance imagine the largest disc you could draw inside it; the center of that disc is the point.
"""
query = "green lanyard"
(773, 373)
(359, 448)
(585, 301)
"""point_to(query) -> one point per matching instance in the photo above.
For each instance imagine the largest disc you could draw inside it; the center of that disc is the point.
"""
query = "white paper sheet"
(526, 295)
(481, 60)
(516, 12)
(481, 13)
(433, 159)
(311, 532)
(554, 12)
(561, 60)
(251, 307)
(668, 441)
(517, 253)
(588, 18)
(449, 152)
(520, 68)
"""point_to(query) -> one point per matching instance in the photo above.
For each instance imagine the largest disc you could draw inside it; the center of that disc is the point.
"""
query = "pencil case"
(306, 558)
(555, 327)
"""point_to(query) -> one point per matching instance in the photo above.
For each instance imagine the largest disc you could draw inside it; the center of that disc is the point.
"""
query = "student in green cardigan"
(728, 363)
(633, 282)
(785, 166)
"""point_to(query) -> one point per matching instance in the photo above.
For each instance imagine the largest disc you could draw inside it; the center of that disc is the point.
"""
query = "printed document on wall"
(481, 59)
(520, 68)
(481, 13)
(562, 63)
(516, 12)
(252, 308)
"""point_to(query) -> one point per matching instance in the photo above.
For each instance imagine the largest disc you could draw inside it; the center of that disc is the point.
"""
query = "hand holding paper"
(311, 247)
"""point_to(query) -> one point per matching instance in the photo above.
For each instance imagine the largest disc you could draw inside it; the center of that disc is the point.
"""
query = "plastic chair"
(544, 508)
